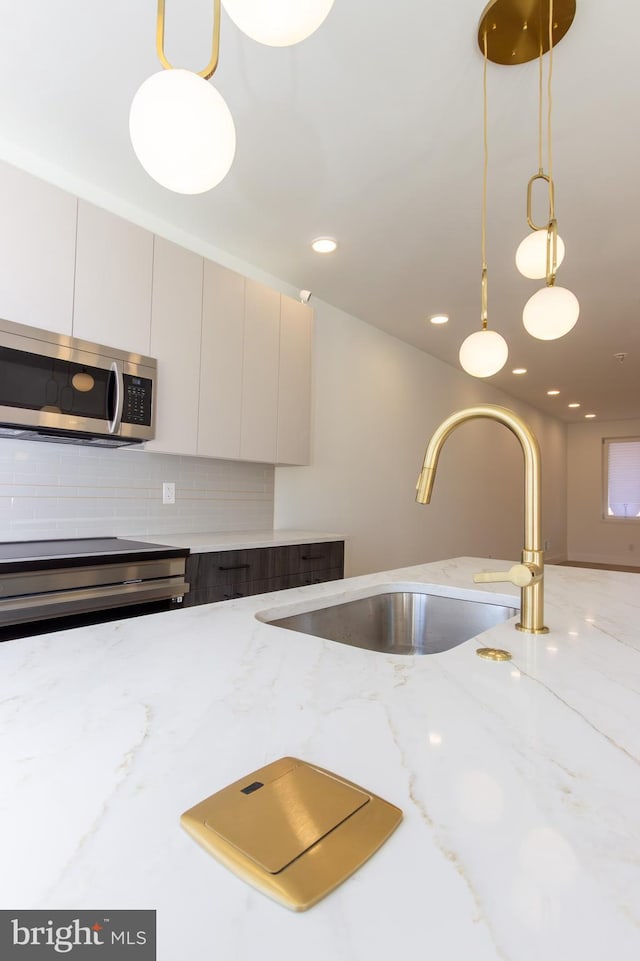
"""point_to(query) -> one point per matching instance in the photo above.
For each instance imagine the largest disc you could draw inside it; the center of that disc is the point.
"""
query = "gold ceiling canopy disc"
(517, 29)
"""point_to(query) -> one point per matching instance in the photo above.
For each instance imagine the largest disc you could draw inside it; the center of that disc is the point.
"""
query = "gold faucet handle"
(521, 575)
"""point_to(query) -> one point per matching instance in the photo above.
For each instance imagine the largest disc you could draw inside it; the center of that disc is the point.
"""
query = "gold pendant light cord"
(484, 190)
(541, 175)
(552, 229)
(552, 213)
(540, 72)
(551, 226)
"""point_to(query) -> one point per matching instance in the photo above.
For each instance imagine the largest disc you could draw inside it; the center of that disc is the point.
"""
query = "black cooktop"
(23, 555)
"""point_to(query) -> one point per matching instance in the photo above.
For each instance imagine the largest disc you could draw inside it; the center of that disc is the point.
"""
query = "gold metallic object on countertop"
(292, 830)
(528, 575)
(493, 654)
(517, 30)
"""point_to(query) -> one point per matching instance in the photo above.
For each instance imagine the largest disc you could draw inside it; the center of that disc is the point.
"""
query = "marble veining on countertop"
(199, 543)
(519, 780)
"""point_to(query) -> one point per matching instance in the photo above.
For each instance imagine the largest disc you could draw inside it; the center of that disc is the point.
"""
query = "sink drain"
(493, 654)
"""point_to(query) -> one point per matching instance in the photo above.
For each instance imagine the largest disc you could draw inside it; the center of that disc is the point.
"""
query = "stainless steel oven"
(52, 585)
(57, 388)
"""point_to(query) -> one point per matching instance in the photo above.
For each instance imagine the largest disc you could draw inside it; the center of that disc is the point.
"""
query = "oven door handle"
(116, 370)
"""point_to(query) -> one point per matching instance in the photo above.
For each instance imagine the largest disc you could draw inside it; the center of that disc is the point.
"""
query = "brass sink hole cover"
(292, 830)
(493, 654)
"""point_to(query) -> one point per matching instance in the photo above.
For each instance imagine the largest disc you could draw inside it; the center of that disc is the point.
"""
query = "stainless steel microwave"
(61, 389)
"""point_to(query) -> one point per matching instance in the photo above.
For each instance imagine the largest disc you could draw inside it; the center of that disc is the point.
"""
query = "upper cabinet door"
(294, 383)
(260, 373)
(176, 321)
(112, 302)
(37, 251)
(221, 362)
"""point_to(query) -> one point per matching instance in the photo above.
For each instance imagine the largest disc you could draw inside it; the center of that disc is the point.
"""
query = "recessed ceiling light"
(573, 405)
(439, 319)
(519, 370)
(324, 245)
(589, 416)
(553, 393)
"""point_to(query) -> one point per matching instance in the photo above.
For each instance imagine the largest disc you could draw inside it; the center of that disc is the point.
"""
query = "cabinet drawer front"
(314, 577)
(227, 592)
(315, 557)
(285, 581)
(228, 567)
(220, 592)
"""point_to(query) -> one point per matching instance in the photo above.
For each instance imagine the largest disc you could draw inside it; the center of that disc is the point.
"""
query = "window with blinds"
(622, 477)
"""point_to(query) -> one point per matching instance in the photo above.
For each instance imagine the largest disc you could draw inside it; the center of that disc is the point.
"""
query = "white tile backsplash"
(53, 490)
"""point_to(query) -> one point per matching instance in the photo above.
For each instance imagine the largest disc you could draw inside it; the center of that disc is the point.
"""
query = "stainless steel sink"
(400, 622)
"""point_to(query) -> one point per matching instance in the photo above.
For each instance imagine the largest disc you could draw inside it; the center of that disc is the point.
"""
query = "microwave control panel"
(136, 408)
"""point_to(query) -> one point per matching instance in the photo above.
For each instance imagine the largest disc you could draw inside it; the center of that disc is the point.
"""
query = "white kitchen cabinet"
(221, 362)
(255, 371)
(37, 251)
(112, 303)
(294, 382)
(261, 349)
(176, 321)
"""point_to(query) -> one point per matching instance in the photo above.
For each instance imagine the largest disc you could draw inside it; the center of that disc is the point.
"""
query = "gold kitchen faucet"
(528, 575)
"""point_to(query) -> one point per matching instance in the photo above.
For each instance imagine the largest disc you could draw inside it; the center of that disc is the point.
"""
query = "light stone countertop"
(238, 540)
(519, 781)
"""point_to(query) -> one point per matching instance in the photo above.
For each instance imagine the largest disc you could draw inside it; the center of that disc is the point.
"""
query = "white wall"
(376, 402)
(59, 490)
(589, 536)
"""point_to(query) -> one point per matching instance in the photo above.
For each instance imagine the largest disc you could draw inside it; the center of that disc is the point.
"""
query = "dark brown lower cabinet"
(223, 575)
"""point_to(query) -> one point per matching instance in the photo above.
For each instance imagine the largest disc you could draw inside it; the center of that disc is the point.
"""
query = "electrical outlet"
(168, 492)
(547, 545)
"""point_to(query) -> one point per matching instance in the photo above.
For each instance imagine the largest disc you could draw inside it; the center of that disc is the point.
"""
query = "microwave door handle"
(116, 370)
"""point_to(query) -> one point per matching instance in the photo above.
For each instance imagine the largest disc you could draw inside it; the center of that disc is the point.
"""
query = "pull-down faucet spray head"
(424, 487)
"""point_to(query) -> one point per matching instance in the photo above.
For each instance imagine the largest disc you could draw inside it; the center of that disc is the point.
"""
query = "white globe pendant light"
(551, 313)
(278, 23)
(484, 353)
(531, 255)
(182, 131)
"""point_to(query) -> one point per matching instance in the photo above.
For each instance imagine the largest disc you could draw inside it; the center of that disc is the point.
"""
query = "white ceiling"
(371, 131)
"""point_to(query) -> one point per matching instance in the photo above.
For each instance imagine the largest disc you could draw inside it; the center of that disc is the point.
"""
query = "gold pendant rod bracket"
(485, 298)
(540, 176)
(517, 30)
(210, 69)
(552, 252)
